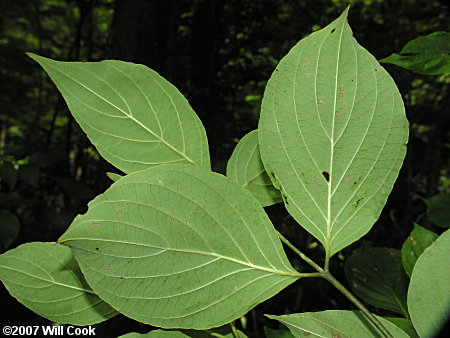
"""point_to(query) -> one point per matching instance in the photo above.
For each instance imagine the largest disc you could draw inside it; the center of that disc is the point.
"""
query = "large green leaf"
(179, 247)
(9, 228)
(46, 279)
(416, 243)
(134, 117)
(335, 323)
(377, 276)
(429, 289)
(332, 135)
(437, 209)
(429, 55)
(246, 168)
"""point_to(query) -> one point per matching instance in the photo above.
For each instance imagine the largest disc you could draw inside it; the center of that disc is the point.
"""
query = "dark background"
(220, 55)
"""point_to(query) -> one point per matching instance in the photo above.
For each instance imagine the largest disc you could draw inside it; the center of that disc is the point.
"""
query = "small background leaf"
(437, 210)
(415, 245)
(427, 55)
(246, 168)
(133, 116)
(429, 289)
(377, 276)
(46, 279)
(9, 228)
(335, 323)
(179, 247)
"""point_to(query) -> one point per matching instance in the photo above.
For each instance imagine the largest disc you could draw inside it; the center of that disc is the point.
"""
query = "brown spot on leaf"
(340, 95)
(321, 101)
(304, 63)
(95, 225)
(119, 212)
(161, 181)
(308, 74)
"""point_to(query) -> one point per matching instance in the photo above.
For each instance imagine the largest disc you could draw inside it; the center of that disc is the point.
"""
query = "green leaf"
(404, 324)
(46, 279)
(376, 275)
(246, 168)
(271, 333)
(134, 117)
(415, 245)
(113, 176)
(335, 323)
(332, 135)
(429, 289)
(437, 210)
(9, 228)
(179, 247)
(427, 55)
(155, 334)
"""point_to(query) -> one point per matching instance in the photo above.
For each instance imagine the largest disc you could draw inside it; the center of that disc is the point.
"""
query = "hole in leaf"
(96, 248)
(326, 175)
(332, 31)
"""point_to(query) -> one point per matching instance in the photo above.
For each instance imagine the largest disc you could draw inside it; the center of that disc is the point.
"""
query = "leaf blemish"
(188, 222)
(304, 63)
(321, 101)
(340, 95)
(95, 225)
(161, 181)
(326, 175)
(315, 179)
(119, 212)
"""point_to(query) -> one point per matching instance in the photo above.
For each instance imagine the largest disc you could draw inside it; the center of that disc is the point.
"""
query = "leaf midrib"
(211, 254)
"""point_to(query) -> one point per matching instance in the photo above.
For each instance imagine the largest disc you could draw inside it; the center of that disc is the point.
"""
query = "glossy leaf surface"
(134, 117)
(335, 323)
(376, 275)
(429, 55)
(179, 247)
(46, 279)
(429, 289)
(332, 135)
(246, 168)
(416, 243)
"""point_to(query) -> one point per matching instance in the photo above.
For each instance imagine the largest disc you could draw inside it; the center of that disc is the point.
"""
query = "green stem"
(234, 330)
(324, 273)
(299, 253)
(357, 303)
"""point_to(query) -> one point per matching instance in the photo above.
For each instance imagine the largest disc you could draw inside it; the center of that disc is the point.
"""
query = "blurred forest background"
(219, 54)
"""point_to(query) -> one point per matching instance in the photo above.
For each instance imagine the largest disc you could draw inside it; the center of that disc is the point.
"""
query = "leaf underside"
(335, 323)
(46, 279)
(134, 117)
(179, 247)
(332, 135)
(246, 168)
